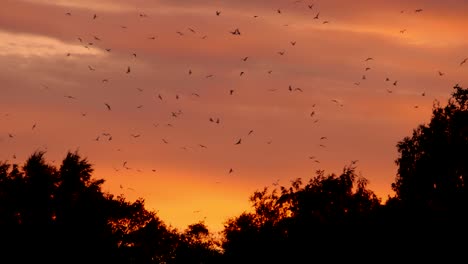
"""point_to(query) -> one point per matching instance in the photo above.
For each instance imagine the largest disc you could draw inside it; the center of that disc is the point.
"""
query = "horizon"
(138, 90)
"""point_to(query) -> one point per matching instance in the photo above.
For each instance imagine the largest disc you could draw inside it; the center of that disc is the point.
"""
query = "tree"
(63, 216)
(433, 163)
(300, 221)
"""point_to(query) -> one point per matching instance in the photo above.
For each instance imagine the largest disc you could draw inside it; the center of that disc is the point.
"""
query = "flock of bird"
(235, 32)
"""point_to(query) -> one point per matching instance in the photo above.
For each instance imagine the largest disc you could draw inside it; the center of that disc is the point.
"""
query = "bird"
(281, 52)
(68, 14)
(34, 126)
(317, 16)
(293, 43)
(440, 73)
(231, 170)
(278, 11)
(310, 6)
(91, 68)
(463, 61)
(70, 97)
(368, 59)
(128, 69)
(241, 73)
(95, 16)
(235, 32)
(238, 142)
(202, 146)
(10, 135)
(250, 132)
(245, 58)
(418, 10)
(402, 31)
(108, 106)
(165, 141)
(395, 83)
(231, 92)
(192, 30)
(135, 135)
(218, 13)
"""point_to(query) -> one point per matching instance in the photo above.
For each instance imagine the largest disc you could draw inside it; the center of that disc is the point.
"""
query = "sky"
(156, 93)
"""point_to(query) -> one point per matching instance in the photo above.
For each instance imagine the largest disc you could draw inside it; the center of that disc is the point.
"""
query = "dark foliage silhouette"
(62, 216)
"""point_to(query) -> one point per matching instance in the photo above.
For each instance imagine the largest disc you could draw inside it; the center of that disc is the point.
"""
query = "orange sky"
(191, 183)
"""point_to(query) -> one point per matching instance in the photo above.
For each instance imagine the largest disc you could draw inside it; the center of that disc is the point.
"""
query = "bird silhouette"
(238, 142)
(128, 69)
(218, 13)
(463, 61)
(108, 106)
(235, 32)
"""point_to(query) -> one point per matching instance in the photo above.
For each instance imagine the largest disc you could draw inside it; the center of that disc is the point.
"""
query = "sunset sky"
(302, 79)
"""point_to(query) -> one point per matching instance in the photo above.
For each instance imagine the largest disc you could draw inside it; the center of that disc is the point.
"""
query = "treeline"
(61, 215)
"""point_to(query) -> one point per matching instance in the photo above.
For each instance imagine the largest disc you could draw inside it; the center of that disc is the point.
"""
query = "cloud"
(30, 45)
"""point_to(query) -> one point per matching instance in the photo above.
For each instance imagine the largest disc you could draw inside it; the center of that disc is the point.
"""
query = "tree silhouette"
(433, 162)
(63, 216)
(301, 221)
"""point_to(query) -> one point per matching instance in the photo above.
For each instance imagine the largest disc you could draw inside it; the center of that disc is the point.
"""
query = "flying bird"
(238, 142)
(235, 32)
(463, 61)
(218, 13)
(128, 69)
(108, 106)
